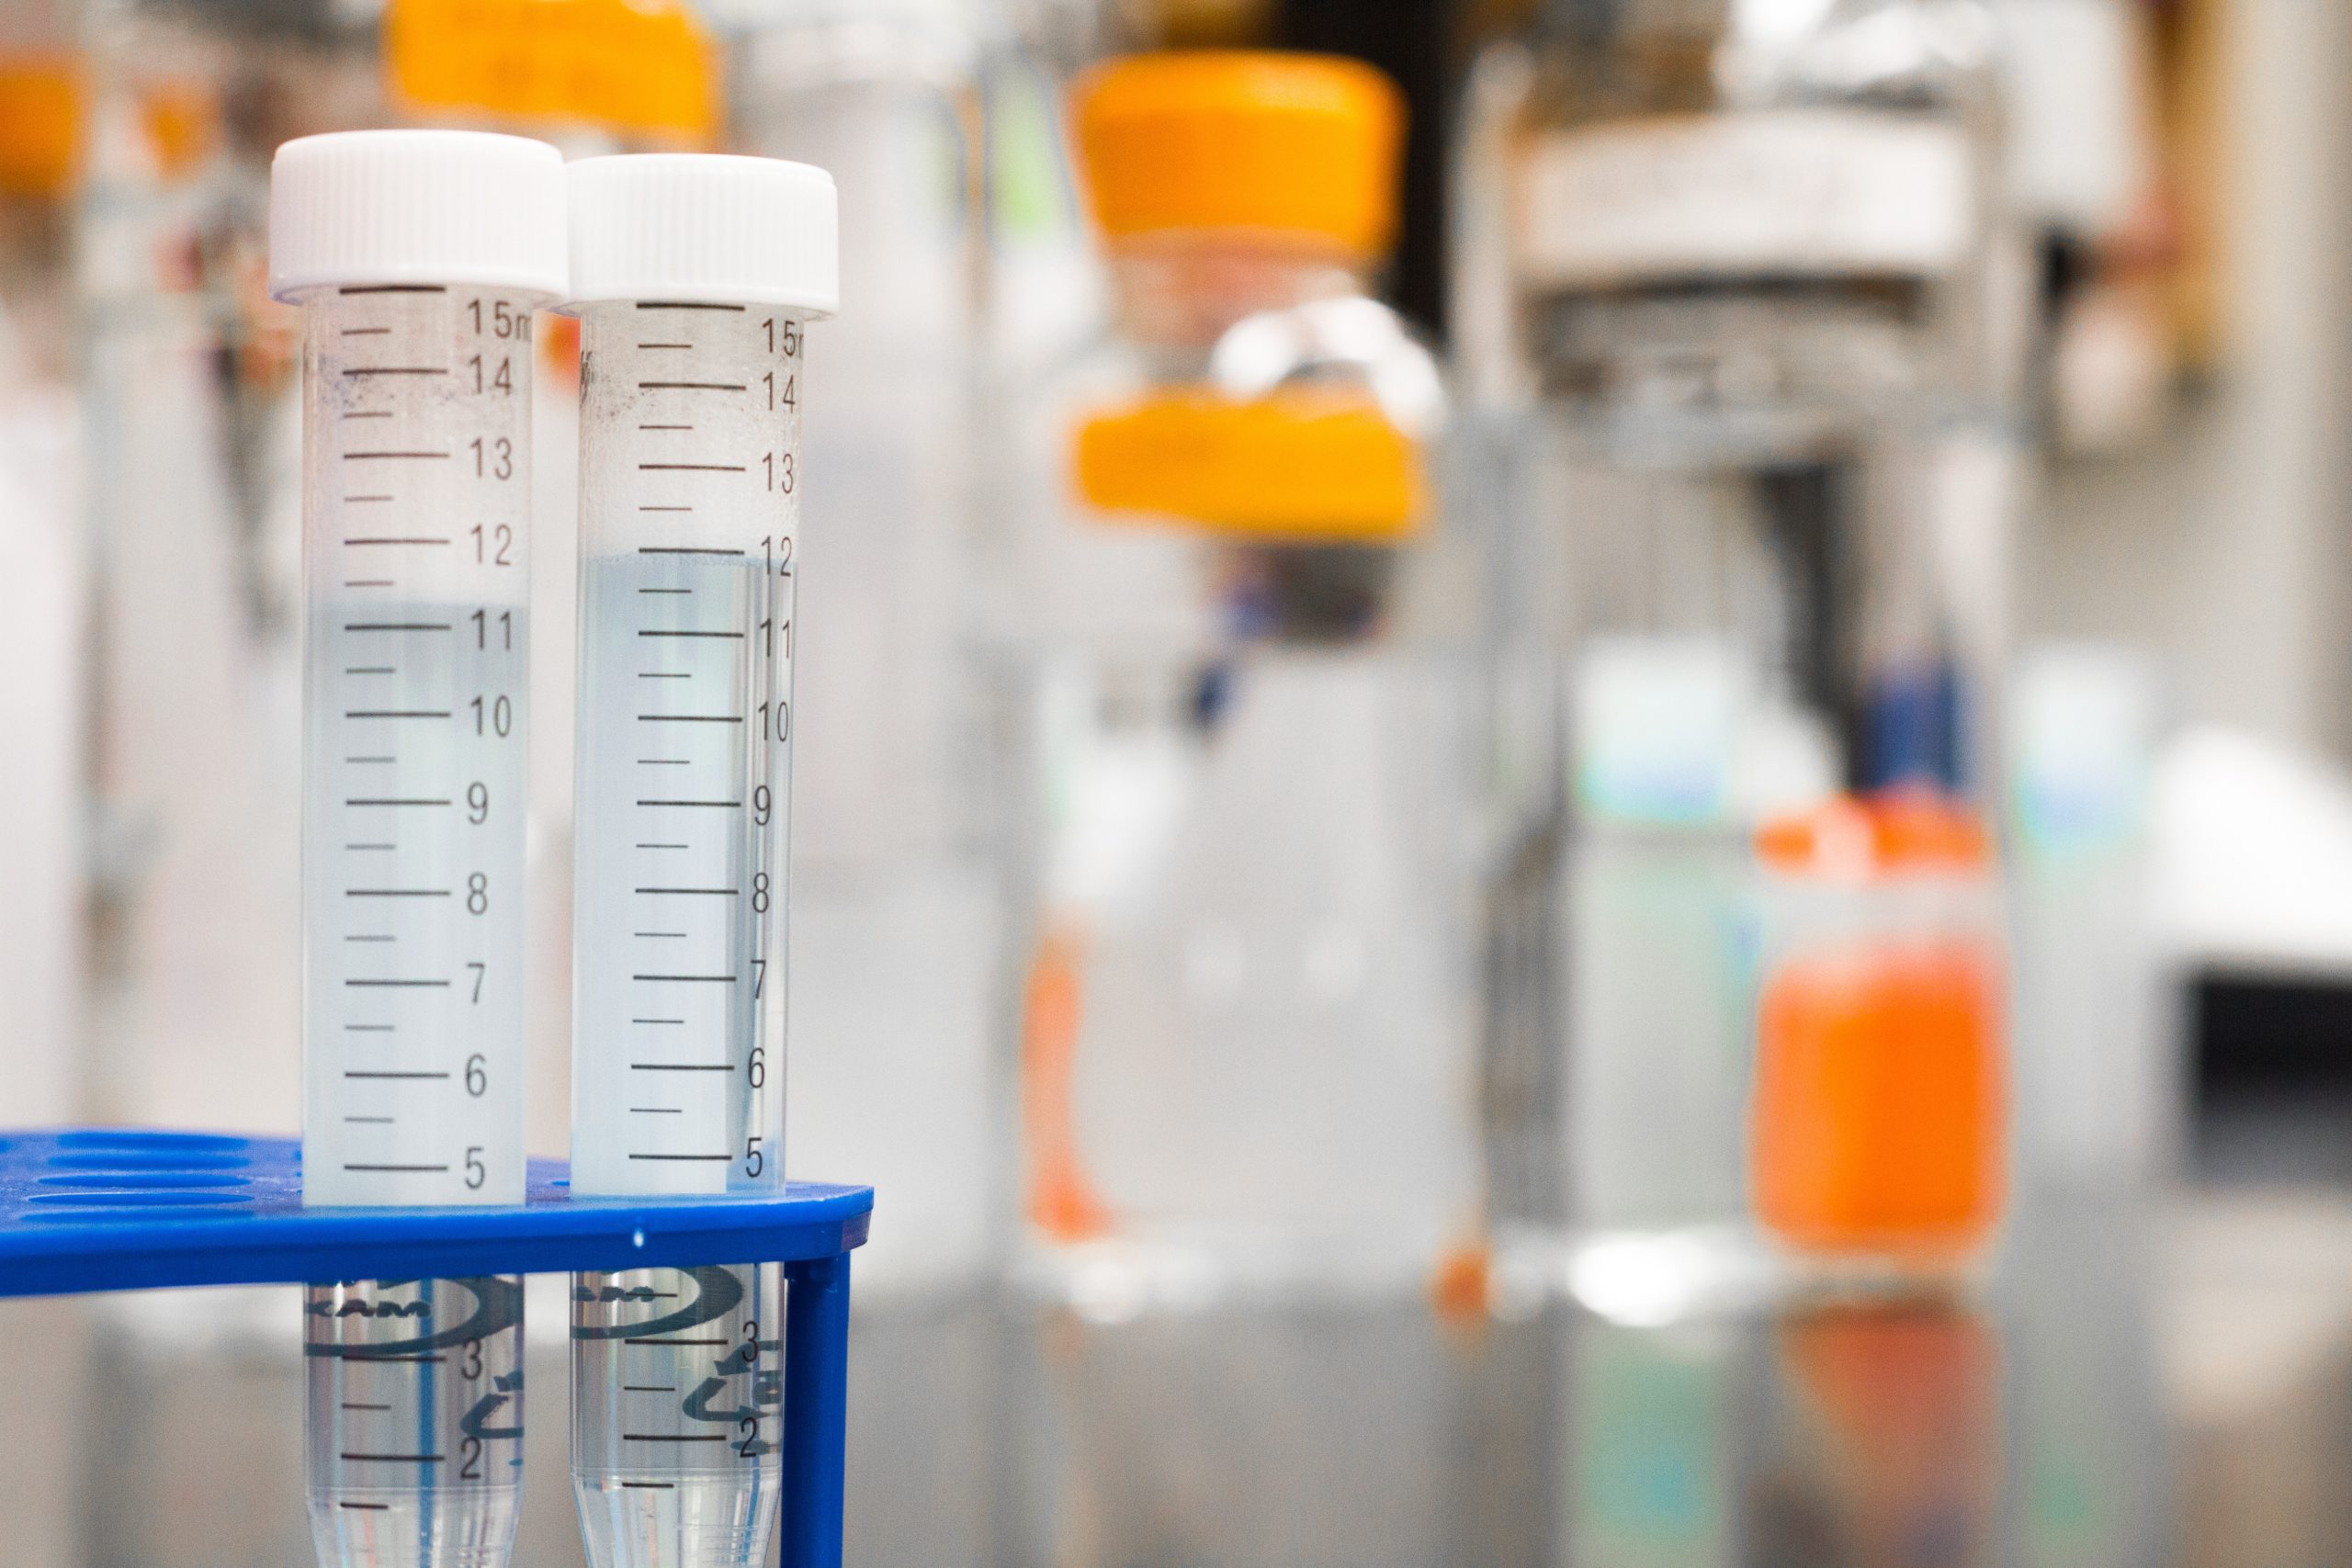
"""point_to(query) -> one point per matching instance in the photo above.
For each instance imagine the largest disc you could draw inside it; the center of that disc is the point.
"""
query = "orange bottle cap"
(1901, 832)
(41, 103)
(643, 66)
(183, 123)
(1300, 147)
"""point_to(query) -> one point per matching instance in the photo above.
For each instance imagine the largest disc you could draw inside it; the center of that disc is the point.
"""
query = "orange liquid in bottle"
(1878, 1101)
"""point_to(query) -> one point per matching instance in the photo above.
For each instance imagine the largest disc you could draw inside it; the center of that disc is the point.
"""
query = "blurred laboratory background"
(1574, 780)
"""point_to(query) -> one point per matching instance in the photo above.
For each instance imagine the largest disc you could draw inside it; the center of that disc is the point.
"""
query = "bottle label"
(2085, 721)
(1810, 192)
(1654, 721)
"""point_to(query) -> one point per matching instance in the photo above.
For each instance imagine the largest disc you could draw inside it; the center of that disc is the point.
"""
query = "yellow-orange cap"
(1303, 465)
(1301, 146)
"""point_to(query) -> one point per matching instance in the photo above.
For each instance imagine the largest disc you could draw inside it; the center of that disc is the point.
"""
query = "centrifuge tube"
(418, 258)
(677, 1395)
(415, 1422)
(694, 278)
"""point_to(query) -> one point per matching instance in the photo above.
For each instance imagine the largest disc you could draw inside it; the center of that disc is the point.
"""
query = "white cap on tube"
(376, 207)
(704, 229)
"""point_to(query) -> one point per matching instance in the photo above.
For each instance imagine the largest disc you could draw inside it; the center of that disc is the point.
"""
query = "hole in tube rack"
(150, 1139)
(83, 1216)
(155, 1161)
(141, 1200)
(133, 1180)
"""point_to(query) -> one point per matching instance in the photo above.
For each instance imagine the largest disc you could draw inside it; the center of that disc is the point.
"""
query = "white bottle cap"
(463, 207)
(704, 229)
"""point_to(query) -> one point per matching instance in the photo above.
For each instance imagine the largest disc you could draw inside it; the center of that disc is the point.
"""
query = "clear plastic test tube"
(418, 259)
(694, 278)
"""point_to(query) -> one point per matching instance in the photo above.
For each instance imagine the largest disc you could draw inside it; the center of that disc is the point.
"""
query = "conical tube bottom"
(370, 1528)
(686, 1521)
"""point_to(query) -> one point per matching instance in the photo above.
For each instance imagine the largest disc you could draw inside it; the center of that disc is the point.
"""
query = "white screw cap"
(462, 206)
(704, 229)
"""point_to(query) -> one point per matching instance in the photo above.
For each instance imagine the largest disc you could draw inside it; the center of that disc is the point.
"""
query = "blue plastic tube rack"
(133, 1209)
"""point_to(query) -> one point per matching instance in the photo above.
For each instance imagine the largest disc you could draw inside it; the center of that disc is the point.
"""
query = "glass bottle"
(1876, 1130)
(43, 575)
(1224, 612)
(892, 905)
(1733, 288)
(2099, 1075)
(186, 374)
(2096, 1014)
